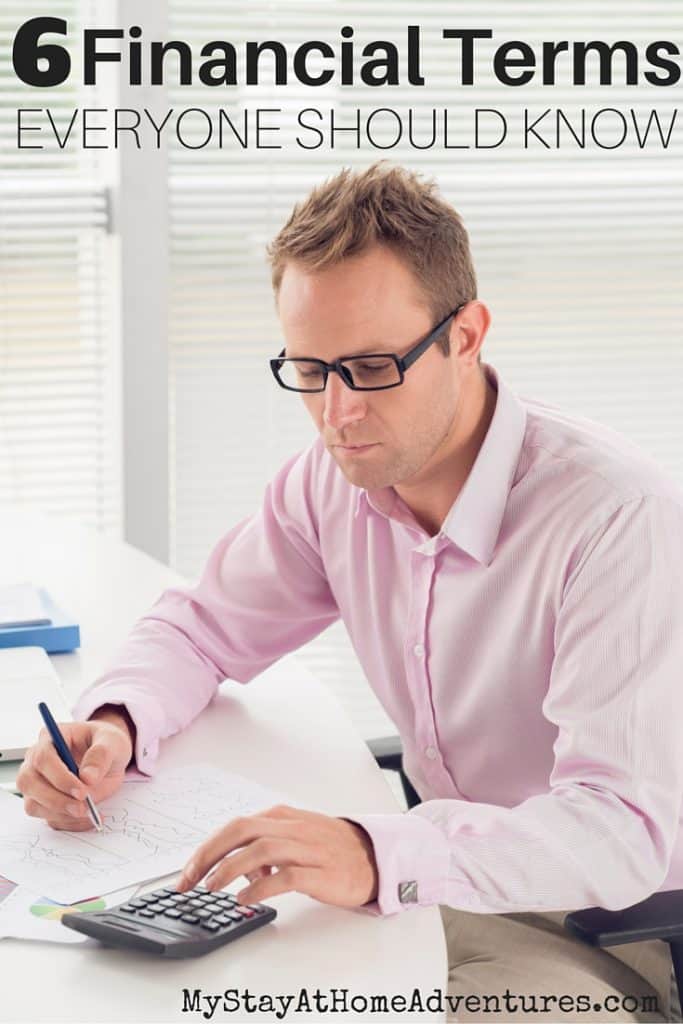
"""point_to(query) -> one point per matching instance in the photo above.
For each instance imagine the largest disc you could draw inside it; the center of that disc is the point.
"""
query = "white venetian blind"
(59, 430)
(577, 251)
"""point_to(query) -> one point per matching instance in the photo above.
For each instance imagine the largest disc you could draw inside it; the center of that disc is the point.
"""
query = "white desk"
(282, 729)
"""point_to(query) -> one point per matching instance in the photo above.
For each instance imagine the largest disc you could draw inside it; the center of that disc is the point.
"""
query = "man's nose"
(343, 405)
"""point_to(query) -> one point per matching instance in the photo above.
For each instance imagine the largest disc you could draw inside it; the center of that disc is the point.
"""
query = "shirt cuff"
(412, 857)
(143, 711)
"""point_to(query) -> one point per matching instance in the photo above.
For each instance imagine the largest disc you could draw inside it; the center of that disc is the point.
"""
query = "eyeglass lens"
(365, 372)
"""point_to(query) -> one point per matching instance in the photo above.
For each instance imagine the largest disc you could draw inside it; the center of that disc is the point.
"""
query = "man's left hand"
(285, 849)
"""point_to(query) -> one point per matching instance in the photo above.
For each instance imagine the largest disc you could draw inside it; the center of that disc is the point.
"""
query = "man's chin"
(359, 473)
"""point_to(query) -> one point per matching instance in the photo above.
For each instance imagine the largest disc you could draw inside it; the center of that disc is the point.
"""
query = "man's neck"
(430, 499)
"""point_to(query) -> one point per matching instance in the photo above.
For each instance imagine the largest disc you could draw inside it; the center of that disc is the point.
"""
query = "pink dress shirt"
(530, 655)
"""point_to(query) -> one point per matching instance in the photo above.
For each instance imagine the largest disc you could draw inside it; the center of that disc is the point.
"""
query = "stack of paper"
(22, 605)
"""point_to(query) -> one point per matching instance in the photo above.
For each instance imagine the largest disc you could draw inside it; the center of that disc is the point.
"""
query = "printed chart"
(149, 830)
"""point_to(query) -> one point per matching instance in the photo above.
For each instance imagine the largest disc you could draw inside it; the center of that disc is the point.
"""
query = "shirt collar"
(476, 516)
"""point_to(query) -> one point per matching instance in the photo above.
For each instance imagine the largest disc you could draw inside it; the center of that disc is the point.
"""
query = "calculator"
(173, 924)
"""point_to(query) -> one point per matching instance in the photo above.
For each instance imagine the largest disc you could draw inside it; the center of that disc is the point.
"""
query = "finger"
(239, 832)
(43, 760)
(262, 872)
(52, 800)
(58, 821)
(289, 879)
(284, 811)
(267, 850)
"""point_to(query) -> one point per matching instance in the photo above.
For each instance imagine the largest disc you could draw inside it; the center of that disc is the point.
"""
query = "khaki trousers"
(532, 956)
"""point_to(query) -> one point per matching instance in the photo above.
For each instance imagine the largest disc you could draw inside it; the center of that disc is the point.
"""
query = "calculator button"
(146, 913)
(206, 897)
(164, 904)
(170, 891)
(204, 914)
(135, 903)
(172, 912)
(127, 908)
(222, 919)
(190, 918)
(256, 908)
(178, 897)
(211, 926)
(234, 915)
(148, 897)
(246, 912)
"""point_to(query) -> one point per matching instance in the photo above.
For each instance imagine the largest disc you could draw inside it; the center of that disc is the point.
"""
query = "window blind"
(577, 251)
(59, 399)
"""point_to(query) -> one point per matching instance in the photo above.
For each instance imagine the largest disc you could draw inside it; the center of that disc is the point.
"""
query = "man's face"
(372, 303)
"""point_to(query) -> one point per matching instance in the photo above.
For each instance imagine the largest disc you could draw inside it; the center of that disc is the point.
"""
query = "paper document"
(21, 605)
(26, 915)
(149, 829)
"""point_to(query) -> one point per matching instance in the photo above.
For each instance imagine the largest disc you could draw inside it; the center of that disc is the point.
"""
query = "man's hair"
(390, 206)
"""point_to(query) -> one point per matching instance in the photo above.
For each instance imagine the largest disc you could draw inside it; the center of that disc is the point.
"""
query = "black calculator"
(173, 924)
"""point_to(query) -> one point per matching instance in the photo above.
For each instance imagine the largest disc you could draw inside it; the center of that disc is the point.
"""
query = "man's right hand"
(102, 749)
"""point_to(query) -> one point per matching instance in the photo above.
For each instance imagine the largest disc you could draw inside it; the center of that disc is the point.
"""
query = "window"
(59, 396)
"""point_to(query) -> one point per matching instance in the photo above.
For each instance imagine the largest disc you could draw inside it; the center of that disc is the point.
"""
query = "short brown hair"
(387, 205)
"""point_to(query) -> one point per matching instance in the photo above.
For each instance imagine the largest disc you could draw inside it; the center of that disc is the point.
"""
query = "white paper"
(21, 605)
(26, 915)
(149, 830)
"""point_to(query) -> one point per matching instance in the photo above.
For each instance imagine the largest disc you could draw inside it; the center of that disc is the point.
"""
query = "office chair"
(660, 916)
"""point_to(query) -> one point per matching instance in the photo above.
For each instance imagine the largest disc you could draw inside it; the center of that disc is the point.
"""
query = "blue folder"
(60, 636)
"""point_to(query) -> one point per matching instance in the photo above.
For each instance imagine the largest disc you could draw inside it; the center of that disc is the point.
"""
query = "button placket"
(416, 661)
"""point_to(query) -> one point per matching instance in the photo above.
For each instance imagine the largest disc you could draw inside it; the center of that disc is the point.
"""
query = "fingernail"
(89, 775)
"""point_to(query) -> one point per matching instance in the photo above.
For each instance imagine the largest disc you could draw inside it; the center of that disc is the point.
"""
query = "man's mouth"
(354, 448)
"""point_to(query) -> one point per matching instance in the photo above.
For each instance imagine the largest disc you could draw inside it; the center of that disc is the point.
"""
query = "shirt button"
(419, 650)
(431, 753)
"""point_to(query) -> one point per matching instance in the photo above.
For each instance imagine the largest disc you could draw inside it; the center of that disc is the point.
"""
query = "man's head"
(371, 262)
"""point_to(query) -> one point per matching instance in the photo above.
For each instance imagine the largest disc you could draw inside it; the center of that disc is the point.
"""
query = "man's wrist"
(117, 714)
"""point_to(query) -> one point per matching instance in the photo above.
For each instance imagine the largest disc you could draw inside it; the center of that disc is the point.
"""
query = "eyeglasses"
(376, 371)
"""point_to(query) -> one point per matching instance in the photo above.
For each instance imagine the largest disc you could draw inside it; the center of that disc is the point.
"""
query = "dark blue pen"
(66, 757)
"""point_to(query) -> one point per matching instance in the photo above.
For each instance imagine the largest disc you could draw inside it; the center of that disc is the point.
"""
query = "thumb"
(95, 764)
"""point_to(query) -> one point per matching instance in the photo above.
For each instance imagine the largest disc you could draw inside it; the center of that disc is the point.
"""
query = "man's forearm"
(118, 715)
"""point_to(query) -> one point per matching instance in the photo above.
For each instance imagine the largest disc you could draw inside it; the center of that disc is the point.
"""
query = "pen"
(66, 757)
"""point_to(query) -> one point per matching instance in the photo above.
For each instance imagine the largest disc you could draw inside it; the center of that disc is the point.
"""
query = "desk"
(316, 758)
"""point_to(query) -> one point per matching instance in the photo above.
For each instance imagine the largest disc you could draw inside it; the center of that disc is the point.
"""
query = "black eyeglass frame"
(403, 363)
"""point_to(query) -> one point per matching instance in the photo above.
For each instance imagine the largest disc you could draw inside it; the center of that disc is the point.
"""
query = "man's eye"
(309, 373)
(373, 367)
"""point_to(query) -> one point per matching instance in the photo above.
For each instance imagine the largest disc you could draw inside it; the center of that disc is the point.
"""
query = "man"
(509, 576)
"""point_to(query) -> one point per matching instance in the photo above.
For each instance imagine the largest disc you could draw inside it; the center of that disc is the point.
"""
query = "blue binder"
(60, 636)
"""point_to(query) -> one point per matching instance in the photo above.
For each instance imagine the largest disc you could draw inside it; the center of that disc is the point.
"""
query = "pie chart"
(53, 911)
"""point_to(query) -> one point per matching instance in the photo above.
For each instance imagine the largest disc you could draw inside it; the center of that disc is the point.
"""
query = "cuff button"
(407, 892)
